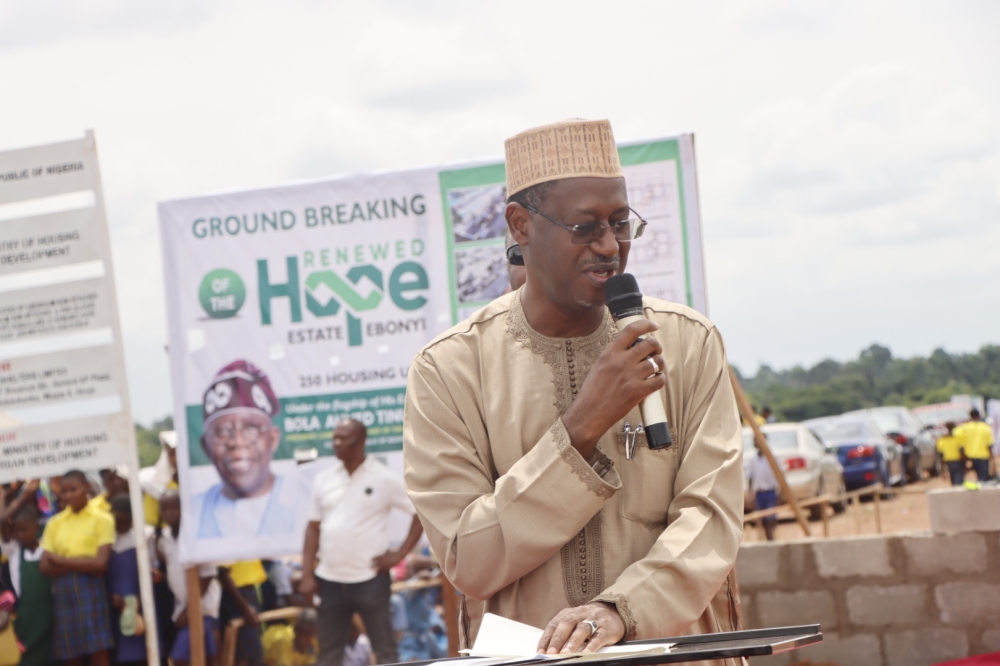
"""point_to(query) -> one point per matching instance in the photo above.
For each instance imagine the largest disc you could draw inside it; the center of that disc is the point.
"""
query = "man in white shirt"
(764, 486)
(348, 516)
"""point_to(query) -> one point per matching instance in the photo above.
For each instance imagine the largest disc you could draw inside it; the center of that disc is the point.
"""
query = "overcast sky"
(848, 152)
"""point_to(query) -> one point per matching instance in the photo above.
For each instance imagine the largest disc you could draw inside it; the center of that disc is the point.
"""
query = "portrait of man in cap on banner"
(239, 437)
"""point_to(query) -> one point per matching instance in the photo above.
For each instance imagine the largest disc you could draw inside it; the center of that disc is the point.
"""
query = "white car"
(809, 468)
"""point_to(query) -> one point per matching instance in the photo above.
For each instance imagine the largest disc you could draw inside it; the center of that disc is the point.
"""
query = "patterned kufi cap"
(237, 387)
(568, 149)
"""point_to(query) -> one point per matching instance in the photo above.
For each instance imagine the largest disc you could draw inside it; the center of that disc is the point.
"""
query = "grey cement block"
(924, 647)
(966, 602)
(778, 609)
(799, 555)
(874, 606)
(933, 554)
(749, 611)
(959, 510)
(858, 556)
(991, 640)
(757, 565)
(847, 651)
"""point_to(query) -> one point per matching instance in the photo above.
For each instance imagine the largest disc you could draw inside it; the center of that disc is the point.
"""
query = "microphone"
(625, 303)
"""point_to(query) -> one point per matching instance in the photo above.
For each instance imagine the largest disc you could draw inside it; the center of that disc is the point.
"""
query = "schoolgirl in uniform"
(77, 547)
(33, 622)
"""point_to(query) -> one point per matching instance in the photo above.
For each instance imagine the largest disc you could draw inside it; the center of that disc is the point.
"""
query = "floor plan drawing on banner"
(656, 259)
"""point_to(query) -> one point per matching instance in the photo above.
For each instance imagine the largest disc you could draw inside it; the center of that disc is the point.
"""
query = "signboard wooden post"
(761, 442)
(196, 626)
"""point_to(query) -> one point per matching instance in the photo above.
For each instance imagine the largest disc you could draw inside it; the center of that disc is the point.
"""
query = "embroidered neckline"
(517, 324)
(570, 358)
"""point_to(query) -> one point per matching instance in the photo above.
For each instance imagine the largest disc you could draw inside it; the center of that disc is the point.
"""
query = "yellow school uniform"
(151, 509)
(247, 572)
(80, 534)
(10, 653)
(950, 448)
(279, 648)
(100, 503)
(977, 438)
(151, 506)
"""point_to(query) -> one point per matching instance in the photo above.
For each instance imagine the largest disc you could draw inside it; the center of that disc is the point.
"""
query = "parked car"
(809, 468)
(919, 445)
(867, 454)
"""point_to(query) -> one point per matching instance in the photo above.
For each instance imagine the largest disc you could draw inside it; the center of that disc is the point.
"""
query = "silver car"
(809, 468)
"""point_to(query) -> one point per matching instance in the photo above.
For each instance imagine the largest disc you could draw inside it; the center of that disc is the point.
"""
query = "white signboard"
(293, 307)
(63, 400)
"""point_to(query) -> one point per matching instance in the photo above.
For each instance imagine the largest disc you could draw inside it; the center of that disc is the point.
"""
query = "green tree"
(148, 440)
(875, 378)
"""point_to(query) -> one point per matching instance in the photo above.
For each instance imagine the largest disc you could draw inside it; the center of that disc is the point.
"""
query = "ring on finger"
(590, 624)
(656, 366)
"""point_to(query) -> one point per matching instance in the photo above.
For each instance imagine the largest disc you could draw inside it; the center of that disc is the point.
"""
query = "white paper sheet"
(500, 637)
(508, 639)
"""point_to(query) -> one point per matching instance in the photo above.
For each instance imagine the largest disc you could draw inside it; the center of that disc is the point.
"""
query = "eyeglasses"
(514, 255)
(591, 232)
(252, 432)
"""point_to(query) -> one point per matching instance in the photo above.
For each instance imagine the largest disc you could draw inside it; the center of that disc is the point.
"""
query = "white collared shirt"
(353, 512)
(126, 541)
(760, 475)
(211, 598)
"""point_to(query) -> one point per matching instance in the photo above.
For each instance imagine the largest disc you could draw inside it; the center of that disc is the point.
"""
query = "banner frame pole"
(196, 626)
(147, 600)
(748, 414)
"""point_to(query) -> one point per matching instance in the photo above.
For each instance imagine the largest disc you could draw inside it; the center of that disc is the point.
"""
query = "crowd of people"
(69, 583)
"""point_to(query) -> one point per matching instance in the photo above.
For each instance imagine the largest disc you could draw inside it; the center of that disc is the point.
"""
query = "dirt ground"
(902, 513)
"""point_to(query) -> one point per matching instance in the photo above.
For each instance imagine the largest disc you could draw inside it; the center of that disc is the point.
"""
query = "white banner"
(63, 400)
(293, 307)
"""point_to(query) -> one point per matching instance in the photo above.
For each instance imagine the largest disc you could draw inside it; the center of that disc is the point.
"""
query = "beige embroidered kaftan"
(524, 527)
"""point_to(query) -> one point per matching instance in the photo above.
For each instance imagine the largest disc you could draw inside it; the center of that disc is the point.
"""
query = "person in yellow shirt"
(115, 482)
(77, 544)
(292, 645)
(977, 440)
(159, 478)
(950, 448)
(241, 583)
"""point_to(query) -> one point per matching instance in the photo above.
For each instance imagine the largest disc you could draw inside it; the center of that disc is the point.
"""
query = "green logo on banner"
(326, 291)
(222, 293)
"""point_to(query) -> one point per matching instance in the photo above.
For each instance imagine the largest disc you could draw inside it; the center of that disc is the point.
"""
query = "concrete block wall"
(901, 600)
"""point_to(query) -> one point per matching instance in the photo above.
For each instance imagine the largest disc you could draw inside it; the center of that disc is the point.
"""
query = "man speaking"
(515, 428)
